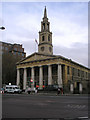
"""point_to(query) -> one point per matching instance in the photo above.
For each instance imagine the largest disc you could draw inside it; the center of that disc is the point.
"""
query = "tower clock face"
(42, 48)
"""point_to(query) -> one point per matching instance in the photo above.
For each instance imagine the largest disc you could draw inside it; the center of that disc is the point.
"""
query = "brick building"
(15, 49)
(11, 53)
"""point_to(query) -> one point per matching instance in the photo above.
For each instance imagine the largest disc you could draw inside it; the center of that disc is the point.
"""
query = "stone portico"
(47, 73)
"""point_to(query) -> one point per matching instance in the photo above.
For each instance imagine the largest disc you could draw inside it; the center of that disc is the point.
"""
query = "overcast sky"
(68, 23)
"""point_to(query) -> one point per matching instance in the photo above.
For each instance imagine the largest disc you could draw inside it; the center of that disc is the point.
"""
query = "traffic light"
(31, 81)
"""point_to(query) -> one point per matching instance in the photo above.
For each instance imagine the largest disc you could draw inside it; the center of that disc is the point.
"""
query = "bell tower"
(45, 36)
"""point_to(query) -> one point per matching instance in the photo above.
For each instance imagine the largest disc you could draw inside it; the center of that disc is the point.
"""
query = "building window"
(47, 26)
(23, 54)
(14, 53)
(2, 47)
(43, 38)
(86, 75)
(15, 49)
(82, 73)
(48, 37)
(6, 48)
(78, 72)
(42, 48)
(68, 70)
(18, 53)
(73, 70)
(50, 49)
(43, 26)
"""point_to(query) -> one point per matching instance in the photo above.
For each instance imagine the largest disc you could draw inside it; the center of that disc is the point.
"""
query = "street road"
(44, 106)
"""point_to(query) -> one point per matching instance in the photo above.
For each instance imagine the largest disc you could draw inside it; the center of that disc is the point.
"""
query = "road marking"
(76, 106)
(84, 118)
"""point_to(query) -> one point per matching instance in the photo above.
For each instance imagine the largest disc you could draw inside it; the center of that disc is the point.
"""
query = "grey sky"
(68, 23)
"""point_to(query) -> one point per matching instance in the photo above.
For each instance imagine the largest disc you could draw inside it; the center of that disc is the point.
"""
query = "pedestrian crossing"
(74, 106)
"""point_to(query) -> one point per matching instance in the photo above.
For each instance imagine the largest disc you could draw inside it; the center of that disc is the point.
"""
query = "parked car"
(12, 89)
(51, 88)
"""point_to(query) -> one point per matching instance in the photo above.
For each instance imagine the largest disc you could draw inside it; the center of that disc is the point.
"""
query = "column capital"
(25, 68)
(49, 64)
(18, 68)
(59, 64)
(40, 66)
(32, 67)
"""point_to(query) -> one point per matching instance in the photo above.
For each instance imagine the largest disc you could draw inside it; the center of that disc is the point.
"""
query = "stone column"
(18, 76)
(80, 87)
(40, 77)
(59, 76)
(65, 76)
(25, 78)
(49, 75)
(32, 76)
(71, 88)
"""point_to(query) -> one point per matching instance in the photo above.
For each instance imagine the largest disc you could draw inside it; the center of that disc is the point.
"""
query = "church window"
(42, 48)
(73, 71)
(43, 26)
(82, 73)
(78, 72)
(86, 75)
(47, 26)
(49, 38)
(43, 38)
(50, 49)
(68, 69)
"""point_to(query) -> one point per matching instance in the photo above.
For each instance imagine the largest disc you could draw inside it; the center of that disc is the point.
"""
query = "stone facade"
(46, 69)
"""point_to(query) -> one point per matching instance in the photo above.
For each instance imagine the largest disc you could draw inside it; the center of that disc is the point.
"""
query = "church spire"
(45, 36)
(45, 13)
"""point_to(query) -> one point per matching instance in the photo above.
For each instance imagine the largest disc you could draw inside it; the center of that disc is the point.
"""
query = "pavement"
(55, 94)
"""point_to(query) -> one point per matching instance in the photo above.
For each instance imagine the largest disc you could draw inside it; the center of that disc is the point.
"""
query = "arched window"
(50, 49)
(43, 38)
(48, 37)
(47, 26)
(43, 26)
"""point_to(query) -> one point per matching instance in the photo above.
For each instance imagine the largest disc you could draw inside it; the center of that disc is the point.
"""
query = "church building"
(42, 68)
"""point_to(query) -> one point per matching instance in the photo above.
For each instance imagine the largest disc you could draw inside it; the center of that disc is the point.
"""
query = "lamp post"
(2, 28)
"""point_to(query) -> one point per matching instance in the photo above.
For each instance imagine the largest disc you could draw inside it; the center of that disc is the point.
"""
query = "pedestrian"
(58, 91)
(62, 91)
(37, 89)
(29, 90)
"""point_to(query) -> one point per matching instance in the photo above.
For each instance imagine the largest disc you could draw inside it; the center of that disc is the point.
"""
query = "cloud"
(68, 23)
(78, 52)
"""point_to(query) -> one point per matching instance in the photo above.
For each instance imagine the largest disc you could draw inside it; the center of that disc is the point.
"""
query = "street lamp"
(2, 28)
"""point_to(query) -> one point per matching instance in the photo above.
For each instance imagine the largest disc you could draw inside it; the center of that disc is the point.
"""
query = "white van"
(12, 89)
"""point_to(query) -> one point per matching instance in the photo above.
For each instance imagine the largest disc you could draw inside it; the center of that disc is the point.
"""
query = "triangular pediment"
(36, 56)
